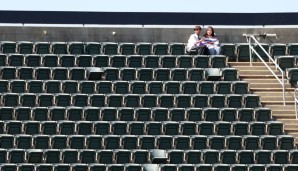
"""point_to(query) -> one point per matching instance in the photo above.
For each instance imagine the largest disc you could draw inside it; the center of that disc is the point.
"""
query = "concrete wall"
(145, 34)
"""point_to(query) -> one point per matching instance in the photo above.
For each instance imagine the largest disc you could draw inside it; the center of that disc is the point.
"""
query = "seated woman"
(211, 42)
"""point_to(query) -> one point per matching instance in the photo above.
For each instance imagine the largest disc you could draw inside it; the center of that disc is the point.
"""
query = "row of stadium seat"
(136, 114)
(127, 74)
(158, 48)
(130, 100)
(148, 167)
(207, 156)
(183, 142)
(136, 61)
(124, 87)
(139, 128)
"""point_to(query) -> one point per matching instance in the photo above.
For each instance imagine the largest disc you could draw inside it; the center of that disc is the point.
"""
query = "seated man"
(196, 44)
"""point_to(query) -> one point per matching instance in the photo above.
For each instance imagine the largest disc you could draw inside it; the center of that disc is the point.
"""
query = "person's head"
(209, 32)
(197, 30)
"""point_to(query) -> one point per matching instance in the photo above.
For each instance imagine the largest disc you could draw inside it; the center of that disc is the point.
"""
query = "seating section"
(155, 108)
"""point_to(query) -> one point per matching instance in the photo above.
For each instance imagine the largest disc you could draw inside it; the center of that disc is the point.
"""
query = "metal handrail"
(252, 36)
(296, 101)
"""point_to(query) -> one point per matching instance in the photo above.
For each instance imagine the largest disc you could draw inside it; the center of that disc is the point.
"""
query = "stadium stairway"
(263, 83)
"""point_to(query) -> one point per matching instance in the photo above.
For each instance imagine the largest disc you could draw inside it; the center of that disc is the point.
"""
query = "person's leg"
(212, 50)
(217, 50)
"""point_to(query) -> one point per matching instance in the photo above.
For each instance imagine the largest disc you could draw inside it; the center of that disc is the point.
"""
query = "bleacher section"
(155, 109)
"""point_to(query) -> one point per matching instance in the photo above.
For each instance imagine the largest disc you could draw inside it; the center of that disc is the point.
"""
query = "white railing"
(296, 101)
(251, 37)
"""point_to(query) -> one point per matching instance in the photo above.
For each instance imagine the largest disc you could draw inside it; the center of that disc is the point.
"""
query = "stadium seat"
(106, 156)
(8, 47)
(268, 142)
(285, 62)
(246, 157)
(52, 155)
(240, 87)
(92, 48)
(285, 142)
(263, 156)
(205, 128)
(25, 73)
(128, 74)
(185, 61)
(143, 48)
(34, 156)
(16, 60)
(8, 72)
(93, 142)
(109, 114)
(101, 61)
(154, 87)
(69, 155)
(7, 113)
(118, 61)
(41, 141)
(277, 49)
(222, 128)
(211, 114)
(135, 61)
(151, 61)
(7, 141)
(234, 142)
(110, 48)
(16, 156)
(251, 100)
(196, 74)
(76, 47)
(42, 47)
(176, 156)
(188, 128)
(149, 100)
(127, 48)
(292, 49)
(218, 61)
(4, 86)
(189, 87)
(31, 127)
(59, 141)
(66, 127)
(228, 156)
(251, 142)
(217, 100)
(87, 156)
(193, 156)
(84, 61)
(246, 114)
(206, 87)
(199, 142)
(228, 49)
(76, 141)
(261, 52)
(49, 127)
(257, 128)
(177, 48)
(210, 156)
(280, 156)
(223, 87)
(172, 87)
(59, 48)
(3, 60)
(195, 114)
(127, 113)
(275, 128)
(228, 114)
(171, 128)
(201, 61)
(161, 74)
(21, 113)
(242, 52)
(17, 86)
(25, 47)
(153, 128)
(216, 142)
(160, 48)
(84, 127)
(240, 128)
(129, 142)
(122, 156)
(119, 127)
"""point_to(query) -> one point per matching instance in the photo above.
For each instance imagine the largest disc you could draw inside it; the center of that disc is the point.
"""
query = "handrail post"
(250, 54)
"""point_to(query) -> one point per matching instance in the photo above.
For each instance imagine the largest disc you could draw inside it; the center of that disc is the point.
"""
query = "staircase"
(263, 83)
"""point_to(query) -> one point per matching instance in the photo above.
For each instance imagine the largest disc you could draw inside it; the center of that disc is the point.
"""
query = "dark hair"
(212, 30)
(197, 28)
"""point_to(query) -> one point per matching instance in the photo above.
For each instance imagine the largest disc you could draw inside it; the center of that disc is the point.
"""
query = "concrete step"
(288, 121)
(261, 80)
(263, 68)
(276, 98)
(257, 72)
(278, 117)
(283, 112)
(248, 63)
(268, 85)
(281, 107)
(274, 93)
(272, 89)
